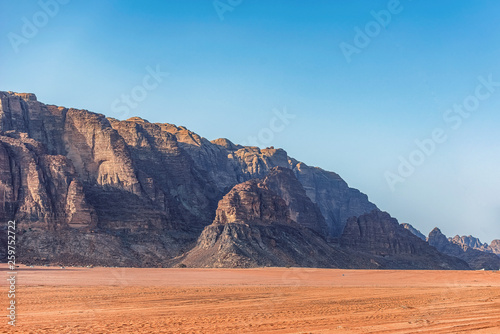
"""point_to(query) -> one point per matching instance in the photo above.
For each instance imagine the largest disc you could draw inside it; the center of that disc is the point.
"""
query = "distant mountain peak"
(476, 258)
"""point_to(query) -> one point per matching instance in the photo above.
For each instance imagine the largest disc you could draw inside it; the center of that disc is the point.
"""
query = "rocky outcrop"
(438, 240)
(63, 169)
(275, 245)
(494, 247)
(393, 246)
(469, 242)
(253, 228)
(227, 144)
(250, 202)
(466, 242)
(380, 234)
(476, 259)
(40, 191)
(413, 230)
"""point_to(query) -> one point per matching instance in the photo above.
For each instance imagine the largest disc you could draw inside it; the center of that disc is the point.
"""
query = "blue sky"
(227, 78)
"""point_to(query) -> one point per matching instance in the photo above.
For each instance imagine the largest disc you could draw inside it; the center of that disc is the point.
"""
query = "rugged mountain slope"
(334, 198)
(253, 227)
(393, 246)
(300, 207)
(466, 242)
(228, 164)
(475, 258)
(494, 247)
(86, 189)
(413, 230)
(77, 173)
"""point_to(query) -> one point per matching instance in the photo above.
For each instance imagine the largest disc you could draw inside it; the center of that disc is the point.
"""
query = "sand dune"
(270, 300)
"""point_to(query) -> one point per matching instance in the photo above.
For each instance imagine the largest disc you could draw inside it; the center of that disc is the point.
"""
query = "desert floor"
(267, 300)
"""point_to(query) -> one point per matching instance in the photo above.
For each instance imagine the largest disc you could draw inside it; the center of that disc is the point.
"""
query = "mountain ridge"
(90, 189)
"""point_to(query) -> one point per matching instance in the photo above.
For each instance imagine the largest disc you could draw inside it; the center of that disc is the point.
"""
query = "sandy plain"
(263, 300)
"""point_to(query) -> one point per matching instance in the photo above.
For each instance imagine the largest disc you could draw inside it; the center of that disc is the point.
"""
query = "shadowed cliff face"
(413, 230)
(334, 198)
(300, 207)
(378, 234)
(494, 247)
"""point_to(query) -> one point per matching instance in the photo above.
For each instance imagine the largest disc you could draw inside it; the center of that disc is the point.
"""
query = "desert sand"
(264, 300)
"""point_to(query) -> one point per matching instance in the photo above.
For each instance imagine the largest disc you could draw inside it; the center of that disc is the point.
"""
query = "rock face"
(87, 189)
(336, 201)
(475, 258)
(300, 207)
(69, 172)
(253, 228)
(413, 230)
(40, 191)
(438, 240)
(251, 202)
(378, 234)
(466, 242)
(113, 182)
(494, 247)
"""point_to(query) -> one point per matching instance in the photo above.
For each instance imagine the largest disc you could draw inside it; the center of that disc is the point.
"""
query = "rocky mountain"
(413, 230)
(134, 192)
(494, 247)
(300, 207)
(87, 189)
(476, 259)
(254, 226)
(393, 246)
(466, 242)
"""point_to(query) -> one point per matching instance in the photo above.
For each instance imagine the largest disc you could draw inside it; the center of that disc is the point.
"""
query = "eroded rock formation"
(380, 235)
(253, 227)
(475, 258)
(87, 189)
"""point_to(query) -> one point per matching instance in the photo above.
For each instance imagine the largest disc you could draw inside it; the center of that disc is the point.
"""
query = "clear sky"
(233, 64)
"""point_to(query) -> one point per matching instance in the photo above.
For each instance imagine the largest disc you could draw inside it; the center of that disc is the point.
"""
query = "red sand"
(264, 300)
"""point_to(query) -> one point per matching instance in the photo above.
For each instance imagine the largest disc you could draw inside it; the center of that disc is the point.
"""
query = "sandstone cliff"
(300, 207)
(254, 227)
(393, 246)
(78, 173)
